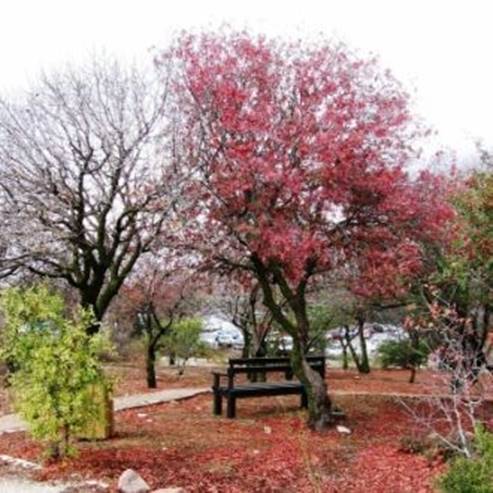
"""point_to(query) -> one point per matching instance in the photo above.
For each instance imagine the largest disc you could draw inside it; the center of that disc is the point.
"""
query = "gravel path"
(11, 422)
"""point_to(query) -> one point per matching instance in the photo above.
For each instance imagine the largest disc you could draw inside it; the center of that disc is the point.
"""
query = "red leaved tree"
(300, 150)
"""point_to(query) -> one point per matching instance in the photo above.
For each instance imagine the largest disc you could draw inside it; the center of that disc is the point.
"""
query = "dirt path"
(18, 485)
(11, 422)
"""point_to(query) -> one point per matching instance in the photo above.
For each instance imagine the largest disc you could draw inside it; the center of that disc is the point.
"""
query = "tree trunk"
(151, 367)
(257, 350)
(319, 403)
(364, 362)
(353, 352)
(66, 440)
(247, 347)
(345, 362)
(412, 376)
(89, 302)
(172, 359)
(93, 329)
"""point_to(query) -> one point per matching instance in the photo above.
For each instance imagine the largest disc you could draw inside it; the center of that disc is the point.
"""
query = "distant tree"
(183, 340)
(465, 272)
(459, 281)
(240, 303)
(84, 191)
(300, 152)
(407, 354)
(157, 295)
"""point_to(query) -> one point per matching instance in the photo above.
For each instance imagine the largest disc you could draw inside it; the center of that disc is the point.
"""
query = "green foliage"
(321, 319)
(465, 272)
(183, 340)
(56, 363)
(472, 475)
(403, 354)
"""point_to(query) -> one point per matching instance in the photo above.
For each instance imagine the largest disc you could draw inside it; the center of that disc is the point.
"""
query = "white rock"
(131, 482)
(268, 430)
(343, 429)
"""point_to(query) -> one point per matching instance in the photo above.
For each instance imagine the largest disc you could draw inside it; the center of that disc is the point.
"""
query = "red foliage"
(302, 152)
(158, 282)
(383, 468)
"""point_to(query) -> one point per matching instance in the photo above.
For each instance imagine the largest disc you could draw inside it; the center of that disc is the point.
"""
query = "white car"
(286, 343)
(229, 338)
(210, 339)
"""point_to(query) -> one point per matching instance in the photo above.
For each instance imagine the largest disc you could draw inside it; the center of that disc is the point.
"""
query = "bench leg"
(218, 404)
(304, 400)
(231, 411)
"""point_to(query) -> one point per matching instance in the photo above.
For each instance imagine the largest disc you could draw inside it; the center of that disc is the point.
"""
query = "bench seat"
(263, 388)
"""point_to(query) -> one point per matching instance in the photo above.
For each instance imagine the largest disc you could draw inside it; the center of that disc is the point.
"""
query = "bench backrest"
(270, 365)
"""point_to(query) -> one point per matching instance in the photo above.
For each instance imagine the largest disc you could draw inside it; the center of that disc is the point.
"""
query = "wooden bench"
(232, 391)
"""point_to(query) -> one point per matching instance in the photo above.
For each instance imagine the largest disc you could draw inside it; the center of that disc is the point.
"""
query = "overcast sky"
(441, 50)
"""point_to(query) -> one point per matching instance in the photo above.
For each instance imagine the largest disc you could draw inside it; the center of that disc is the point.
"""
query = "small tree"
(404, 353)
(453, 416)
(56, 364)
(183, 340)
(157, 295)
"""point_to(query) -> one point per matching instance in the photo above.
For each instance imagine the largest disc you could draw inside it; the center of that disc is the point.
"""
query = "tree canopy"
(301, 151)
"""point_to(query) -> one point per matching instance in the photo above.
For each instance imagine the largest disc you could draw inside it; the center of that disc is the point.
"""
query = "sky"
(440, 50)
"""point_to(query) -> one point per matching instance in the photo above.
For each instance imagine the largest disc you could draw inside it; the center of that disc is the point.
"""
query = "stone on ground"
(343, 429)
(132, 482)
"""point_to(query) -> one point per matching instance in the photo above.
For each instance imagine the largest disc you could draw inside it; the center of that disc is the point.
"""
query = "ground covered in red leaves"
(268, 448)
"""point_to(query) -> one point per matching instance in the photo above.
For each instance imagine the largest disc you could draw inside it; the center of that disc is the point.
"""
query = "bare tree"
(455, 408)
(452, 417)
(241, 305)
(85, 188)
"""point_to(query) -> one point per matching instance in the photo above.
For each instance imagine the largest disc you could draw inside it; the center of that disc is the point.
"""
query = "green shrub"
(471, 475)
(55, 365)
(183, 341)
(402, 354)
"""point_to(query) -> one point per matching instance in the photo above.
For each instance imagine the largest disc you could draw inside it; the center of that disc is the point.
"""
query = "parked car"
(209, 339)
(230, 338)
(286, 343)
